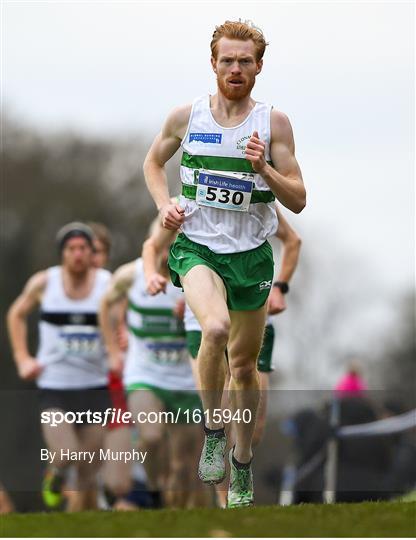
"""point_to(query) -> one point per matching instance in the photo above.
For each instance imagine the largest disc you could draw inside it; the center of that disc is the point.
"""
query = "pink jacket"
(351, 384)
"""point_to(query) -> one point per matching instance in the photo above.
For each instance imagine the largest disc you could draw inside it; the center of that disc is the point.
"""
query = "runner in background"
(117, 474)
(102, 244)
(70, 367)
(158, 379)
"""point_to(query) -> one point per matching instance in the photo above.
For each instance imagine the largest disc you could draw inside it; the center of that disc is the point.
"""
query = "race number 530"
(224, 196)
(223, 192)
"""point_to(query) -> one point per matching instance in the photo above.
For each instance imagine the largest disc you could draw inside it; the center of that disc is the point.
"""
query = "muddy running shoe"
(52, 488)
(211, 468)
(240, 492)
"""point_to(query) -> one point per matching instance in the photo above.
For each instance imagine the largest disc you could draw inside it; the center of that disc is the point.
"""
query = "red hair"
(243, 31)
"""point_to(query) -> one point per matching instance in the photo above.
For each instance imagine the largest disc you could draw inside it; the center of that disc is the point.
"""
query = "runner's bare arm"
(291, 244)
(117, 289)
(166, 143)
(28, 367)
(153, 248)
(285, 177)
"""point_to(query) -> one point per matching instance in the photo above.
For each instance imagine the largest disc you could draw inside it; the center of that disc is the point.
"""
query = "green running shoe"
(211, 468)
(240, 492)
(52, 489)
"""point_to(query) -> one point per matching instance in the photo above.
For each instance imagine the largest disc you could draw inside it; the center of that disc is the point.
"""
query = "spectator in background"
(363, 462)
(310, 432)
(401, 477)
(352, 383)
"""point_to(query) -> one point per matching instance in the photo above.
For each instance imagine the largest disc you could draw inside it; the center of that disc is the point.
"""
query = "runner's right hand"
(156, 284)
(172, 216)
(29, 368)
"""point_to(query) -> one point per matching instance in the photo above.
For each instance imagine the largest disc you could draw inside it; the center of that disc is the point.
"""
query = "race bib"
(166, 353)
(227, 191)
(81, 341)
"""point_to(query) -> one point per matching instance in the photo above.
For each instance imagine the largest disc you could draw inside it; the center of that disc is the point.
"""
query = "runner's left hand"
(255, 152)
(277, 302)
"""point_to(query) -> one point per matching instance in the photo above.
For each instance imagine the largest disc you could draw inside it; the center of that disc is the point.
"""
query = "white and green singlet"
(228, 206)
(157, 353)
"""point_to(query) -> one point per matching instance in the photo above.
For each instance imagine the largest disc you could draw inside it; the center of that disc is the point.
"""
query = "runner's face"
(100, 256)
(77, 255)
(236, 67)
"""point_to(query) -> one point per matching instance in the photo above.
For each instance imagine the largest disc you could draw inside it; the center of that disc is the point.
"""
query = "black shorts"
(79, 400)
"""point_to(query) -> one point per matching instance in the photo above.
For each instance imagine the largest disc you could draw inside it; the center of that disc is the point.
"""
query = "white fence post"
(332, 457)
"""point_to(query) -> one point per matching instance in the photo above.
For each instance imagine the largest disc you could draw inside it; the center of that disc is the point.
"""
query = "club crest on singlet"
(242, 143)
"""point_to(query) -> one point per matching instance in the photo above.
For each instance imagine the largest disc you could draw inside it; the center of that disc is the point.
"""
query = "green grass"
(384, 519)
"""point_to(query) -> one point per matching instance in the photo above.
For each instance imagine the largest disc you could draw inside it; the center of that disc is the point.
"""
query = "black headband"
(73, 231)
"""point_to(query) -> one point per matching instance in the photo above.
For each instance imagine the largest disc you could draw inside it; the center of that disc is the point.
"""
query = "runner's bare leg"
(205, 293)
(246, 337)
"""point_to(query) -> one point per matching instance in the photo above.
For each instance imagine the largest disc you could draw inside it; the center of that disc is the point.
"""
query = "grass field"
(366, 519)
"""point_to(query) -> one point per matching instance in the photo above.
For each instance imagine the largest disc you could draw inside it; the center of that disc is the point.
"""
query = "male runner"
(158, 378)
(71, 365)
(238, 155)
(162, 238)
(117, 474)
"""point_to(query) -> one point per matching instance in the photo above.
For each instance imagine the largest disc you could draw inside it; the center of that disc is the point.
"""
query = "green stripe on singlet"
(189, 191)
(225, 164)
(143, 333)
(163, 312)
(156, 322)
(218, 163)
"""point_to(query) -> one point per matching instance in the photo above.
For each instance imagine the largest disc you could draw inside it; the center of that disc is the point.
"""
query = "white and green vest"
(157, 352)
(216, 150)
